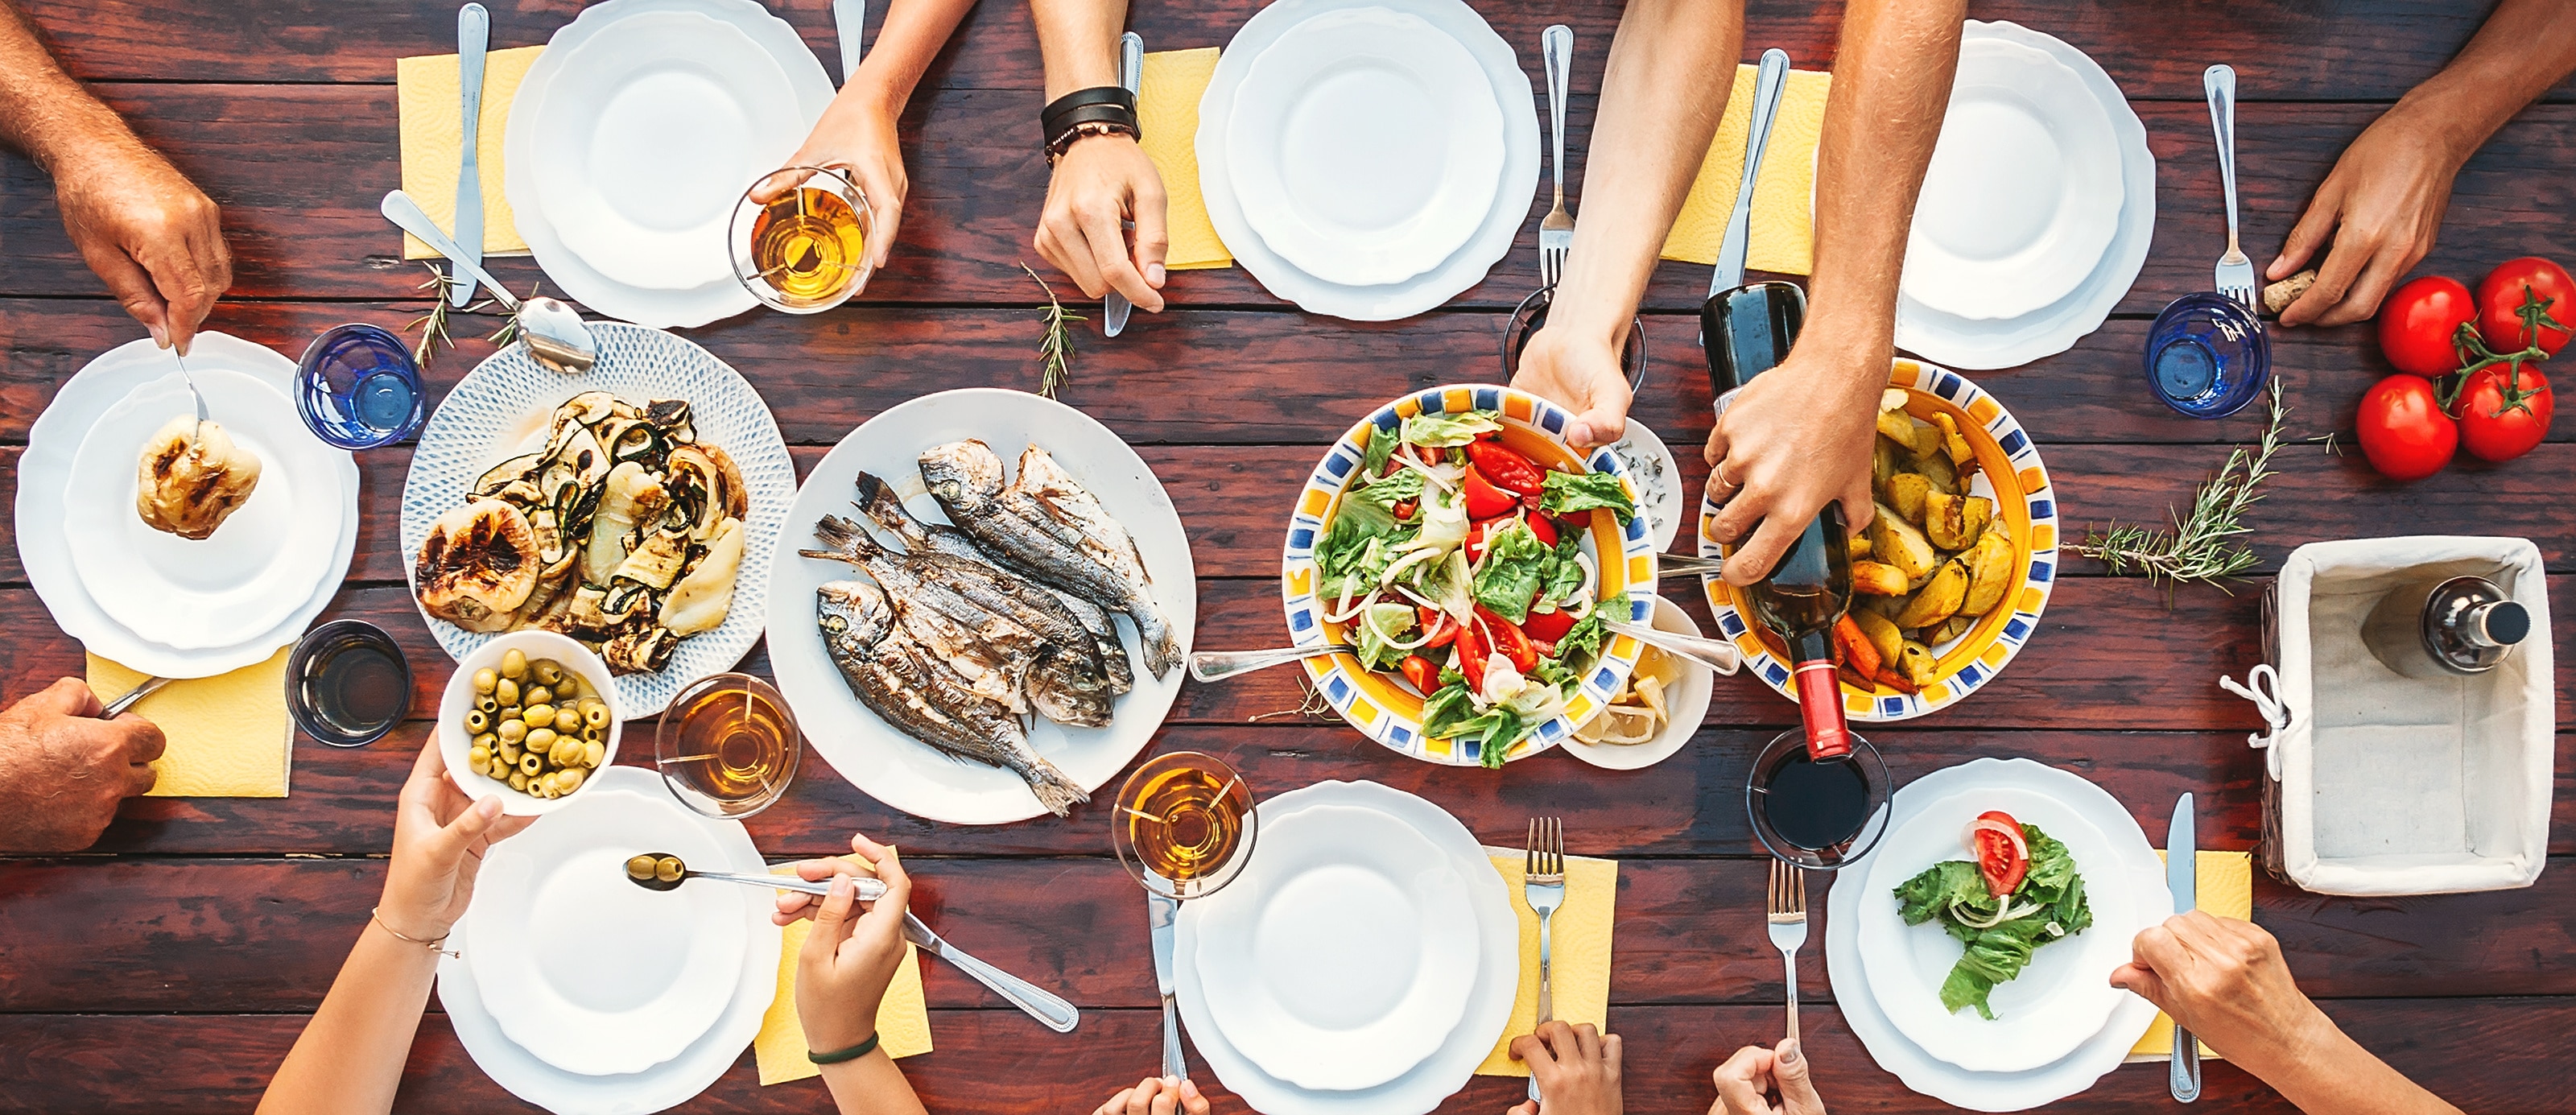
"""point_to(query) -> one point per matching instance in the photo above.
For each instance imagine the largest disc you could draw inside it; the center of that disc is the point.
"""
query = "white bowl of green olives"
(530, 716)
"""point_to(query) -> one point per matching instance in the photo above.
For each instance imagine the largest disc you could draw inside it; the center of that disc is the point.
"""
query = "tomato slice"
(1471, 656)
(1437, 622)
(1506, 467)
(1538, 524)
(1422, 673)
(1548, 627)
(1484, 500)
(2003, 856)
(1508, 640)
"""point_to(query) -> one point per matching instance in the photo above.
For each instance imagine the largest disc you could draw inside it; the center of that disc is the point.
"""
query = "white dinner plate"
(1495, 930)
(44, 473)
(895, 768)
(1384, 302)
(1846, 964)
(1972, 345)
(1327, 956)
(500, 410)
(648, 135)
(588, 971)
(263, 563)
(1366, 146)
(576, 278)
(664, 1085)
(2060, 998)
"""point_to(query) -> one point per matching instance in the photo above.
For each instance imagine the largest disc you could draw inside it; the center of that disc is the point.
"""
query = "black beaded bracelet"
(839, 1055)
(1105, 104)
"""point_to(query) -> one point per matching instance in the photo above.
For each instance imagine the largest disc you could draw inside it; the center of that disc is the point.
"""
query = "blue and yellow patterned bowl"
(2008, 472)
(1381, 705)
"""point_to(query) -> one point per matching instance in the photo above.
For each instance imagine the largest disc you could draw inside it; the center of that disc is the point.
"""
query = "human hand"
(440, 837)
(1156, 1095)
(1790, 442)
(856, 133)
(63, 771)
(1576, 1067)
(851, 956)
(2225, 981)
(1579, 370)
(150, 234)
(1101, 181)
(2381, 207)
(1745, 1083)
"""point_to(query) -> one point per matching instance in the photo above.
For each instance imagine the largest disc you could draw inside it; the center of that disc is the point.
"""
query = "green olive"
(592, 752)
(478, 757)
(639, 867)
(487, 704)
(509, 712)
(535, 695)
(537, 713)
(567, 721)
(518, 781)
(541, 739)
(594, 715)
(669, 869)
(514, 664)
(484, 678)
(569, 779)
(477, 722)
(508, 751)
(506, 691)
(499, 768)
(484, 741)
(567, 753)
(530, 764)
(546, 670)
(569, 687)
(513, 730)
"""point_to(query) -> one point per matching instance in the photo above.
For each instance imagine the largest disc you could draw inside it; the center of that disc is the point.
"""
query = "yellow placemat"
(1578, 952)
(1783, 229)
(2226, 890)
(1167, 108)
(432, 108)
(228, 734)
(903, 1017)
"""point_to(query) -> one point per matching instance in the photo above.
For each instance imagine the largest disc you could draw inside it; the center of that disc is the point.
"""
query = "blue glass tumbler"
(358, 387)
(2207, 356)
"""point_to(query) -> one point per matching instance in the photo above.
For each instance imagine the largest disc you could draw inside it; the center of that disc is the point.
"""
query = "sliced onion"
(2004, 913)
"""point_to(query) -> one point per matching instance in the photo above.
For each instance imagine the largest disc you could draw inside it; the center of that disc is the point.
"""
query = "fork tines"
(1545, 862)
(1788, 892)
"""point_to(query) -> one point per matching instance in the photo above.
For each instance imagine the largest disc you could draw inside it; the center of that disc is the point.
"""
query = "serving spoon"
(662, 871)
(552, 331)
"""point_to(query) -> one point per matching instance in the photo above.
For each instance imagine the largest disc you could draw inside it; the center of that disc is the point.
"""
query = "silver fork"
(2235, 272)
(1556, 230)
(1543, 887)
(1789, 925)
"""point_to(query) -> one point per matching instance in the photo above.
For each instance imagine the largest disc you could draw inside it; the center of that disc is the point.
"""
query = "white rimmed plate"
(895, 768)
(1330, 968)
(1464, 268)
(1658, 478)
(1687, 700)
(664, 1085)
(1993, 1091)
(586, 970)
(264, 562)
(500, 409)
(1496, 930)
(45, 470)
(1366, 146)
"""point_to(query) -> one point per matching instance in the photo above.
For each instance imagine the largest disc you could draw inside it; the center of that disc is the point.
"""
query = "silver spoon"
(1218, 665)
(1712, 653)
(552, 331)
(663, 871)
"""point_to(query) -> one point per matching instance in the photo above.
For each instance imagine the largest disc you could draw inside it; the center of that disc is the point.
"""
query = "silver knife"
(1048, 1008)
(1160, 912)
(1131, 70)
(473, 37)
(2182, 860)
(1767, 82)
(849, 19)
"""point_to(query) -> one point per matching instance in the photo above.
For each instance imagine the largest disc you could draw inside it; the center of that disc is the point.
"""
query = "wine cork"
(2278, 296)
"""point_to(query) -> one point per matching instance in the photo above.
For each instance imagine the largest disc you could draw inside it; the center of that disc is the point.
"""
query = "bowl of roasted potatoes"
(530, 716)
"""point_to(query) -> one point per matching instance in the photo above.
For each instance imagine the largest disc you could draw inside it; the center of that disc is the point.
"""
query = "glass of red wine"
(1817, 813)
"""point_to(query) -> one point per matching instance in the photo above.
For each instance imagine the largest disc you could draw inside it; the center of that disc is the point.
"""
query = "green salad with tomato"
(1458, 564)
(2022, 891)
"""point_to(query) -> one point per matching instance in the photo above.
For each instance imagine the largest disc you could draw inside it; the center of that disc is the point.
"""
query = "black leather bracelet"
(1105, 104)
(839, 1055)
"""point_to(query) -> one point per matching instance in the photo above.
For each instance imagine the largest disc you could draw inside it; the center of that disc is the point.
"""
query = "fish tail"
(1161, 644)
(1057, 792)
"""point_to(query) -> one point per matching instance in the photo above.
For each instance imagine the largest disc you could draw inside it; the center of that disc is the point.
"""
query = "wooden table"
(170, 969)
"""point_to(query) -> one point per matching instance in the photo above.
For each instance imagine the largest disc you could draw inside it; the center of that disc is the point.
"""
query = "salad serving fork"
(1556, 230)
(1543, 887)
(2235, 273)
(1789, 925)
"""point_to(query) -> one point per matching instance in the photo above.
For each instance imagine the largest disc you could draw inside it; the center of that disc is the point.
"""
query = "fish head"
(852, 612)
(962, 473)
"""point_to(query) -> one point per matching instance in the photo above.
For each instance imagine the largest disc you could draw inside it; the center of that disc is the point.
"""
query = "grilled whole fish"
(921, 697)
(1018, 527)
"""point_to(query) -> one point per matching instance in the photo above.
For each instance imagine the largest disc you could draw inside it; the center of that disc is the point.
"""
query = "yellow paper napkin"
(1783, 229)
(903, 1018)
(228, 734)
(1167, 108)
(2226, 889)
(1578, 952)
(432, 110)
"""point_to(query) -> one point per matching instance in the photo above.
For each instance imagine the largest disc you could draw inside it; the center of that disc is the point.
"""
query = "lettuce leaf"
(1378, 627)
(1388, 491)
(2051, 896)
(1517, 566)
(1439, 430)
(1566, 492)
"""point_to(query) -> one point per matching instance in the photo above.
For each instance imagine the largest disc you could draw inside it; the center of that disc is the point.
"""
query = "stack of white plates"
(159, 603)
(633, 136)
(1368, 160)
(2037, 209)
(581, 992)
(1365, 960)
(2060, 1025)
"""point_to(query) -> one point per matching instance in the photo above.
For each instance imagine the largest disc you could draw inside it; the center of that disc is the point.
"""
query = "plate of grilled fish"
(988, 607)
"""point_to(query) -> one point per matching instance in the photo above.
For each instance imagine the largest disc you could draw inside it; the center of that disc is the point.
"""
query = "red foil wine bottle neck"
(1820, 707)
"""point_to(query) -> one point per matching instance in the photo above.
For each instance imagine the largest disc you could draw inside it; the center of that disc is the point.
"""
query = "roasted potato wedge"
(1905, 492)
(1940, 598)
(1990, 573)
(1915, 661)
(1877, 578)
(1859, 546)
(1952, 628)
(1953, 444)
(1935, 467)
(1894, 541)
(1913, 435)
(1881, 633)
(1884, 456)
(1955, 522)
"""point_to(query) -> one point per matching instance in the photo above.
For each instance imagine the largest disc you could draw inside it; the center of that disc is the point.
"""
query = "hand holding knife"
(1114, 306)
(2182, 877)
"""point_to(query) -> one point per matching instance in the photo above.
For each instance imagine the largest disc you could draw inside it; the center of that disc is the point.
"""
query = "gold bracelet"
(438, 946)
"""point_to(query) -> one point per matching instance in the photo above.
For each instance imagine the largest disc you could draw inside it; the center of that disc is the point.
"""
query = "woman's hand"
(1577, 1069)
(1101, 181)
(439, 841)
(1156, 1095)
(1579, 370)
(2380, 208)
(1747, 1080)
(1787, 446)
(857, 133)
(851, 955)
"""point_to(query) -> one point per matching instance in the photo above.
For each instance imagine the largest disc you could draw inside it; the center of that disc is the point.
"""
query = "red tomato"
(1471, 656)
(1484, 500)
(2504, 411)
(1507, 639)
(1505, 467)
(1545, 530)
(2003, 856)
(1422, 673)
(2500, 300)
(1548, 627)
(1438, 623)
(2417, 325)
(2403, 430)
(1404, 509)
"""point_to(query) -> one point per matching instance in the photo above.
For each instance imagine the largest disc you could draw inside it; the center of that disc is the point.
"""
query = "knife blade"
(1050, 1009)
(1160, 914)
(1767, 82)
(473, 37)
(2182, 877)
(1114, 307)
(849, 21)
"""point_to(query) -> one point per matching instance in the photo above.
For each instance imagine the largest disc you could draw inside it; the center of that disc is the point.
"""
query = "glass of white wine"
(728, 746)
(1183, 824)
(805, 250)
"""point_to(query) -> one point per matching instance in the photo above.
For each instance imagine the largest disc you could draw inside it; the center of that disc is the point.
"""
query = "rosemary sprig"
(2203, 546)
(433, 325)
(1055, 350)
